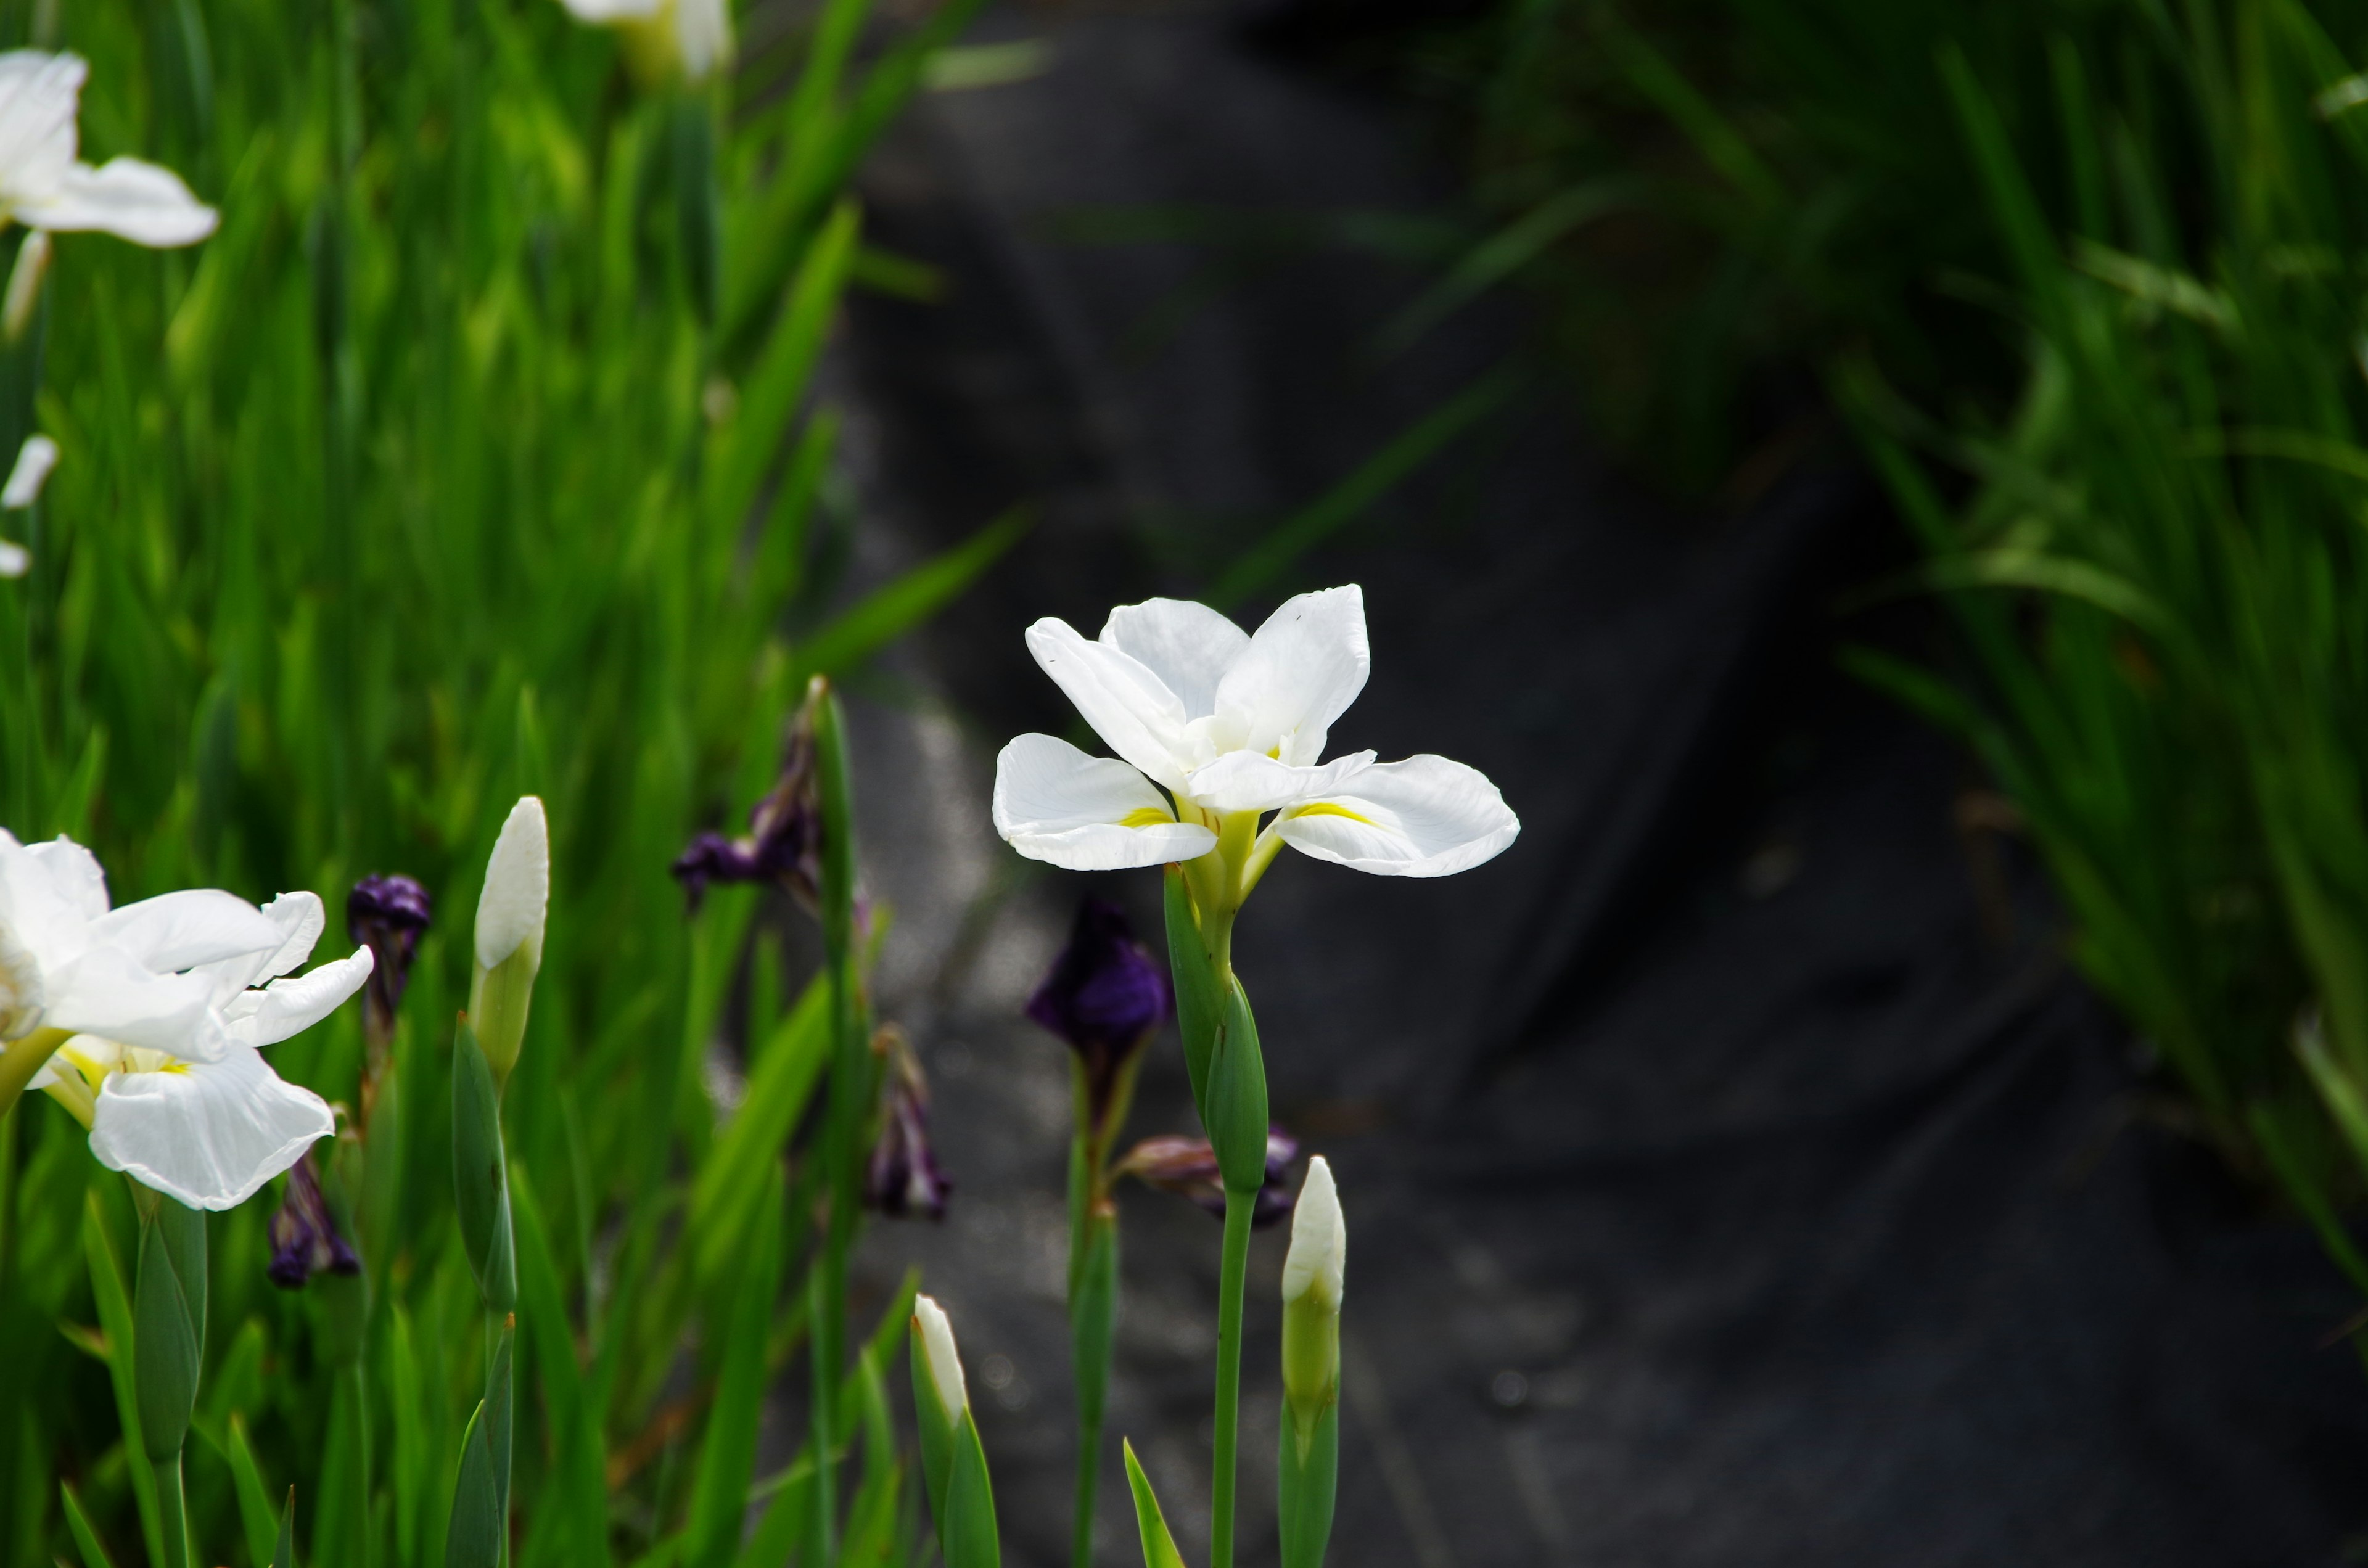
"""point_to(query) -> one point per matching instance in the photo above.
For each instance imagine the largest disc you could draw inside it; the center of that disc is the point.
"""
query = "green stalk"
(173, 1512)
(850, 1101)
(1230, 1289)
(1093, 1315)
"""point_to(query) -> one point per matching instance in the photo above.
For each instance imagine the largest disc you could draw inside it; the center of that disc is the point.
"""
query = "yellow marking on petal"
(174, 1064)
(1145, 816)
(92, 1073)
(1334, 809)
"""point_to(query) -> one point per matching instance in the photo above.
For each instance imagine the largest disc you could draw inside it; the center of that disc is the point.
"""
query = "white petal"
(517, 898)
(124, 197)
(74, 873)
(15, 560)
(1422, 817)
(1246, 781)
(196, 926)
(39, 95)
(1129, 707)
(39, 915)
(34, 460)
(1300, 673)
(300, 920)
(1189, 646)
(1055, 803)
(209, 1134)
(106, 992)
(704, 32)
(945, 1361)
(290, 1006)
(1319, 1239)
(598, 13)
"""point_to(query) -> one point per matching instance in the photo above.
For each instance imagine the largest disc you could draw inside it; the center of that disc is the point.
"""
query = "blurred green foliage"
(476, 455)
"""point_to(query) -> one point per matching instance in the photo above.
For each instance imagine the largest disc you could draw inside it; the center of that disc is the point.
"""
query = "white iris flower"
(45, 184)
(1214, 729)
(692, 38)
(162, 1064)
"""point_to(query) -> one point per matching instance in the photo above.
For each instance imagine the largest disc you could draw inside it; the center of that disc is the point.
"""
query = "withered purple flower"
(904, 1178)
(1104, 994)
(784, 840)
(304, 1239)
(388, 915)
(1187, 1166)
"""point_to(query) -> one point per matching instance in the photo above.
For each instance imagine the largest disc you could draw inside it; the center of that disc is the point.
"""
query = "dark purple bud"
(304, 1240)
(1104, 994)
(902, 1180)
(783, 843)
(388, 915)
(1187, 1166)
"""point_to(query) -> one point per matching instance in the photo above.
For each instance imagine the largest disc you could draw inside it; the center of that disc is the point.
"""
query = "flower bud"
(783, 843)
(1313, 1277)
(304, 1239)
(903, 1178)
(945, 1361)
(1106, 995)
(1187, 1168)
(510, 915)
(387, 915)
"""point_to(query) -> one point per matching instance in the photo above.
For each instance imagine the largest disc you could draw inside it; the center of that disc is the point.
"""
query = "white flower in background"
(162, 1065)
(34, 460)
(689, 38)
(45, 184)
(1230, 726)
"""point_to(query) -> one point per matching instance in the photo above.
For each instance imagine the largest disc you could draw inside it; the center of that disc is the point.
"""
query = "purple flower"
(304, 1240)
(1187, 1166)
(388, 914)
(1104, 994)
(903, 1178)
(784, 839)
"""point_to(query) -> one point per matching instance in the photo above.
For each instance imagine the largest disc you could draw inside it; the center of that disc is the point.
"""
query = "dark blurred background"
(1735, 1172)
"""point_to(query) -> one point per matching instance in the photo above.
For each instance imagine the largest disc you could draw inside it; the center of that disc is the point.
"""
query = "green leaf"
(935, 1432)
(474, 1538)
(94, 1555)
(895, 608)
(745, 449)
(967, 1533)
(165, 1349)
(1158, 1545)
(573, 1508)
(719, 1495)
(1305, 1481)
(696, 200)
(481, 1195)
(115, 1321)
(1237, 1116)
(744, 1160)
(254, 1514)
(283, 1554)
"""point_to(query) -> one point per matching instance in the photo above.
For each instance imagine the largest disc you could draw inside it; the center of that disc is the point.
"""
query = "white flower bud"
(1318, 1258)
(517, 900)
(945, 1361)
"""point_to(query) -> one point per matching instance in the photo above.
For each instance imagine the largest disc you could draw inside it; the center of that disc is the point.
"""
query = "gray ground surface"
(1731, 1179)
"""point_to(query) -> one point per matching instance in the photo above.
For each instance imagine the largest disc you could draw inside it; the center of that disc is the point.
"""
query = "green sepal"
(284, 1554)
(1199, 991)
(966, 1536)
(1307, 1473)
(1235, 1114)
(184, 1230)
(936, 1433)
(1159, 1544)
(474, 1538)
(480, 1190)
(163, 1350)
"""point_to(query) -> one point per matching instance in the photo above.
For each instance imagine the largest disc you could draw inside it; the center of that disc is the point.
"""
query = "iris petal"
(1298, 675)
(1057, 804)
(1424, 817)
(208, 1134)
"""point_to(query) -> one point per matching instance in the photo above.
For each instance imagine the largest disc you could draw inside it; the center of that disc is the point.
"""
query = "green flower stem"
(1230, 1289)
(22, 1059)
(173, 1512)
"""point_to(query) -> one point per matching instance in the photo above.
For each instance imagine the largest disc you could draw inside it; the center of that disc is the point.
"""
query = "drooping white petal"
(1422, 817)
(1053, 803)
(1299, 673)
(74, 873)
(209, 1134)
(1318, 1258)
(196, 926)
(34, 460)
(131, 199)
(945, 1360)
(42, 917)
(1189, 646)
(1247, 782)
(517, 898)
(107, 991)
(290, 1005)
(1129, 708)
(39, 96)
(300, 919)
